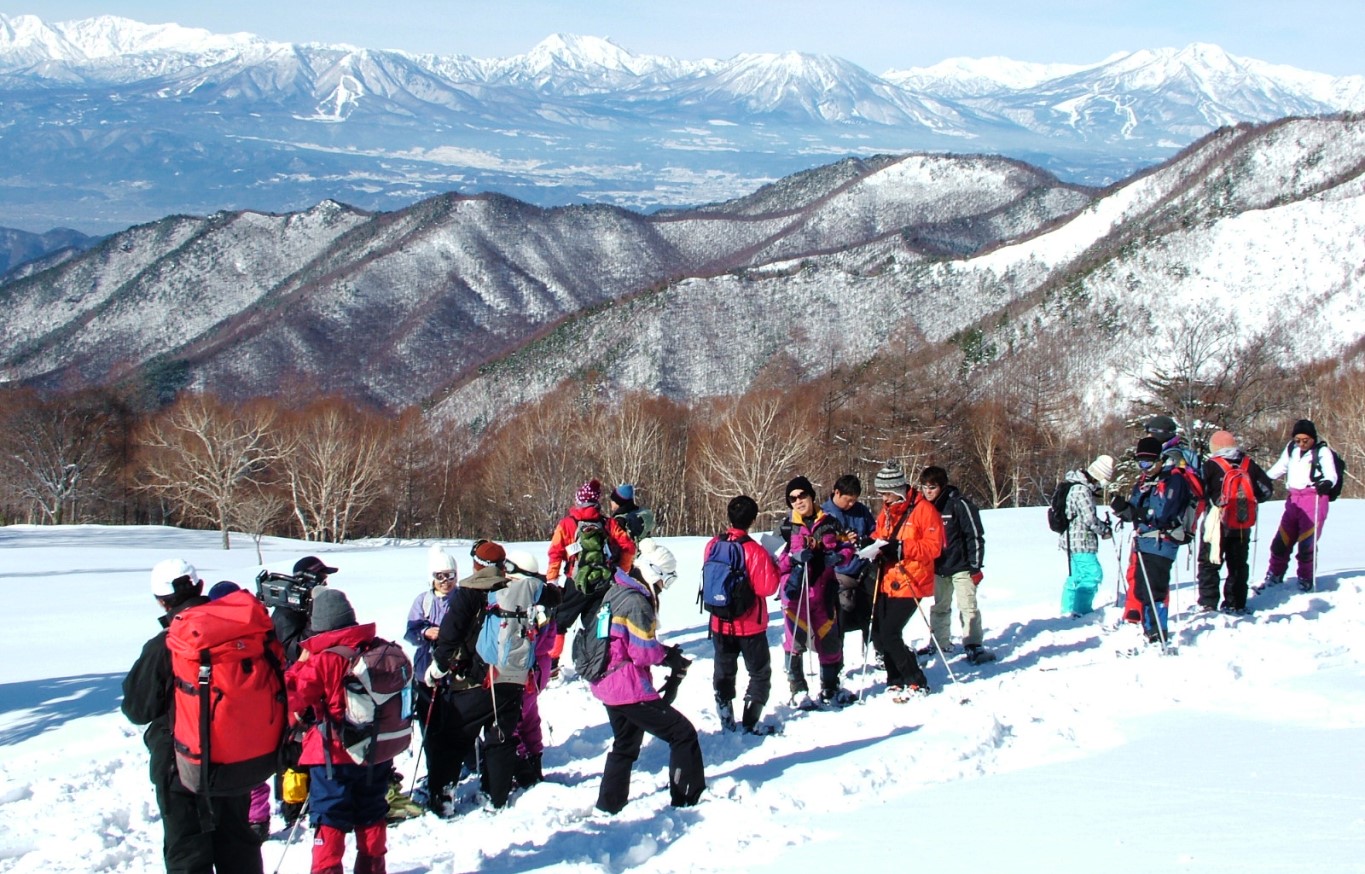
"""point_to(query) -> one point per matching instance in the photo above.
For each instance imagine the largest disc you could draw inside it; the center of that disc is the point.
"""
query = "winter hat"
(175, 577)
(331, 610)
(891, 480)
(801, 484)
(589, 494)
(486, 552)
(440, 562)
(623, 494)
(1222, 440)
(1304, 426)
(522, 563)
(656, 563)
(1163, 428)
(1148, 447)
(1101, 470)
(312, 565)
(226, 587)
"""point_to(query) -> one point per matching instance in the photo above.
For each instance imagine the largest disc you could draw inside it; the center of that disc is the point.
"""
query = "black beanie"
(798, 483)
(1304, 426)
(1147, 447)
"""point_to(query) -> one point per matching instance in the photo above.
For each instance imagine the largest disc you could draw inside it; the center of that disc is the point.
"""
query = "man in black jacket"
(957, 570)
(201, 834)
(1227, 539)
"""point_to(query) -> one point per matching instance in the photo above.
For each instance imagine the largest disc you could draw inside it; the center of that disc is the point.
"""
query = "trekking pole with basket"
(293, 833)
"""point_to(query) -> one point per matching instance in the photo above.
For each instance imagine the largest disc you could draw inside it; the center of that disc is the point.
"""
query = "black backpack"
(591, 645)
(726, 591)
(1057, 519)
(1341, 469)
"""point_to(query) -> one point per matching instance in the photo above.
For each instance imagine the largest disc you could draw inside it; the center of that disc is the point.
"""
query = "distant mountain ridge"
(117, 122)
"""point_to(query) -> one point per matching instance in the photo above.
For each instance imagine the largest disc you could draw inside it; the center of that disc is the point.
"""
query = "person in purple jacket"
(627, 690)
(424, 622)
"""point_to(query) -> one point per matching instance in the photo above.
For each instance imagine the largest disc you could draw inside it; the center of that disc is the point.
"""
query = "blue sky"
(1322, 35)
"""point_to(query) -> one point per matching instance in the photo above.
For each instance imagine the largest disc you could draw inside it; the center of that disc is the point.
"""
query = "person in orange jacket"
(908, 537)
(586, 575)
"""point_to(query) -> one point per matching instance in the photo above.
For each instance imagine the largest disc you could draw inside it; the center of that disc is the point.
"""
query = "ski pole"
(293, 832)
(426, 726)
(1151, 598)
(943, 658)
(1317, 505)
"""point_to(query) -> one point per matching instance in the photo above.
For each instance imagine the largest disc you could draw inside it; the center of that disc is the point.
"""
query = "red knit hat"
(589, 493)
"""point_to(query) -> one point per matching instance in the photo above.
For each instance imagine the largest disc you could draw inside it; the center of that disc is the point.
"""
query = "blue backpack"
(726, 592)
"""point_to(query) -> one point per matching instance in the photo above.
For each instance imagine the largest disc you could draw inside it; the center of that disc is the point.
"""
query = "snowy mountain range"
(117, 122)
(467, 305)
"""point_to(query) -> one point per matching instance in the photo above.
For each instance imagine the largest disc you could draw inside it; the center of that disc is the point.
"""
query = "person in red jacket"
(746, 635)
(587, 574)
(910, 534)
(343, 795)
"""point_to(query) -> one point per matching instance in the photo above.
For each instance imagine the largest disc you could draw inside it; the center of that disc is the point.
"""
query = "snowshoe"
(761, 729)
(1305, 585)
(838, 697)
(979, 655)
(802, 701)
(929, 649)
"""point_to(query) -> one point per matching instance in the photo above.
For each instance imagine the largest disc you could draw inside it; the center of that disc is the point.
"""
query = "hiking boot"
(929, 649)
(726, 711)
(837, 697)
(1305, 585)
(261, 830)
(528, 772)
(760, 729)
(977, 654)
(1272, 579)
(1207, 608)
(801, 700)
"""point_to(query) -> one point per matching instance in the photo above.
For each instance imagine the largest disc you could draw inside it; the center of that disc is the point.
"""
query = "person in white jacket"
(1309, 472)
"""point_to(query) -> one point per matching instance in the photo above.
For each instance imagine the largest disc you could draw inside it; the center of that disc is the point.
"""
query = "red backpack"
(1238, 498)
(229, 701)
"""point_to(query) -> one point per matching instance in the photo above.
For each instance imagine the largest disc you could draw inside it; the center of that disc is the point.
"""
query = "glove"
(669, 690)
(1322, 487)
(793, 588)
(976, 577)
(801, 556)
(1118, 504)
(675, 661)
(1107, 530)
(433, 675)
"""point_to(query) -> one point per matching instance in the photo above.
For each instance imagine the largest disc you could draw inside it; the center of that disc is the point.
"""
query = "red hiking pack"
(229, 701)
(1238, 497)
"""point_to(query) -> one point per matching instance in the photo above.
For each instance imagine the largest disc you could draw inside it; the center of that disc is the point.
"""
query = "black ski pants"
(629, 723)
(758, 661)
(456, 721)
(889, 617)
(1236, 546)
(191, 846)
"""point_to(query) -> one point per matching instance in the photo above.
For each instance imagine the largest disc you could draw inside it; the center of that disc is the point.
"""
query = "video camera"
(285, 590)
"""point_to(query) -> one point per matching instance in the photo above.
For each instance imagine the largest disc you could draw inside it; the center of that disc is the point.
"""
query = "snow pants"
(1235, 546)
(371, 844)
(454, 730)
(1152, 588)
(941, 614)
(629, 723)
(812, 616)
(355, 799)
(889, 618)
(758, 661)
(1078, 593)
(188, 848)
(1304, 514)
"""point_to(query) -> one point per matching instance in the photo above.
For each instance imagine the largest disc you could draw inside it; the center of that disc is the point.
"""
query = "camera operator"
(291, 611)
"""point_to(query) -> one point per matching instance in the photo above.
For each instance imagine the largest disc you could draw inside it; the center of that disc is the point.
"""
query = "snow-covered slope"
(1238, 754)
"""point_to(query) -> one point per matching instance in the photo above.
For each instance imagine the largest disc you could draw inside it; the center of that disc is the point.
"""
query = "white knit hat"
(656, 563)
(1101, 470)
(439, 561)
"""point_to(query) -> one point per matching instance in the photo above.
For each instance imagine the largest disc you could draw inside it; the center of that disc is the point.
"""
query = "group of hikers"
(342, 703)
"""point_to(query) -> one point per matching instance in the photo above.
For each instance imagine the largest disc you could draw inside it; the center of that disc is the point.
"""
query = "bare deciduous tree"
(338, 464)
(56, 448)
(201, 456)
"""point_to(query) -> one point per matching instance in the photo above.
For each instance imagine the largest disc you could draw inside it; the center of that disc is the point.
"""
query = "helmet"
(174, 576)
(656, 563)
(440, 561)
(521, 562)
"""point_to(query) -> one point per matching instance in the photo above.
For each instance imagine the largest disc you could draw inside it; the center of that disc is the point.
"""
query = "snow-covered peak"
(109, 36)
(974, 76)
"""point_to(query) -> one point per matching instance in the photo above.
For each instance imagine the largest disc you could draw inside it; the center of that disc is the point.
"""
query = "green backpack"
(593, 564)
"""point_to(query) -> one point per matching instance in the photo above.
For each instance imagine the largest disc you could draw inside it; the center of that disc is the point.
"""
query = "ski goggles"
(1145, 463)
(443, 577)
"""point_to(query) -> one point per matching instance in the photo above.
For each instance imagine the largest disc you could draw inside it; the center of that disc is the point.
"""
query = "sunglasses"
(800, 496)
